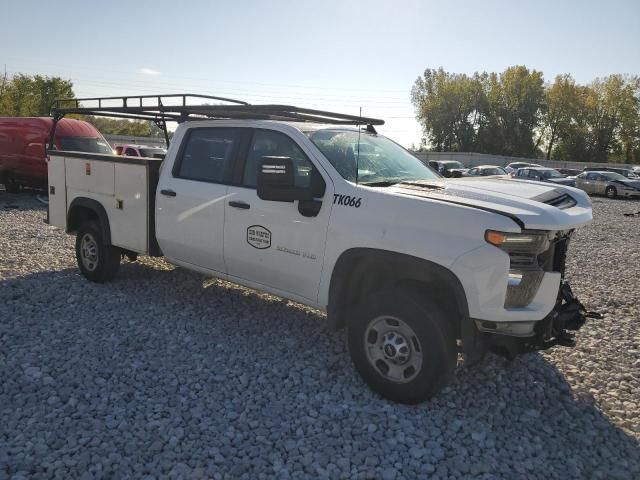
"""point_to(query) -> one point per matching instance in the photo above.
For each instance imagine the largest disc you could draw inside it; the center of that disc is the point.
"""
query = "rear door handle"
(241, 205)
(168, 193)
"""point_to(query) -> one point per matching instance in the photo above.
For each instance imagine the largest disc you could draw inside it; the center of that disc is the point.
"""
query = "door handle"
(241, 205)
(168, 193)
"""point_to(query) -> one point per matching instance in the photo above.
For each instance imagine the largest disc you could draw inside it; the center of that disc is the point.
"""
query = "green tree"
(26, 95)
(486, 113)
(516, 106)
(562, 102)
(450, 108)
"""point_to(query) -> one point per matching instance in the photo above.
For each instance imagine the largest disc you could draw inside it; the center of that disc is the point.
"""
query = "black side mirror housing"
(276, 181)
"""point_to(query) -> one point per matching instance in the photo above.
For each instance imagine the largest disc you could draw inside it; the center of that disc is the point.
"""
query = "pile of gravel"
(164, 373)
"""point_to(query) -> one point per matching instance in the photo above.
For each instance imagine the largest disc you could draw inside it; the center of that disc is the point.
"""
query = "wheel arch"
(361, 271)
(83, 209)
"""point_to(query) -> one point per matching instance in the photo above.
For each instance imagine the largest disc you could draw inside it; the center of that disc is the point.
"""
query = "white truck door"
(272, 243)
(190, 206)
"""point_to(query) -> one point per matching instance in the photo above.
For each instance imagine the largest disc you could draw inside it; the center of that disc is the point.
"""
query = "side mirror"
(276, 181)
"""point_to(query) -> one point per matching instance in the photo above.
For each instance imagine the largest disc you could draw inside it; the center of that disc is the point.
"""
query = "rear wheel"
(611, 192)
(97, 262)
(402, 346)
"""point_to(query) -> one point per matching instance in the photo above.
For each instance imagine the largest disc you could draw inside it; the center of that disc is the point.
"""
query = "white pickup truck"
(309, 206)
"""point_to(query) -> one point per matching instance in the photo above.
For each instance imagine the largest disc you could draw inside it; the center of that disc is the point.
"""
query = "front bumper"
(568, 315)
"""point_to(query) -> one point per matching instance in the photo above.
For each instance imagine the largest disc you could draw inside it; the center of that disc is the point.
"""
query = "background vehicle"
(448, 168)
(514, 166)
(569, 172)
(23, 142)
(485, 171)
(543, 174)
(607, 183)
(283, 205)
(141, 151)
(625, 172)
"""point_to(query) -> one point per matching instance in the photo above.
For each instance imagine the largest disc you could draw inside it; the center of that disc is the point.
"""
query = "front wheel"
(611, 192)
(402, 346)
(97, 262)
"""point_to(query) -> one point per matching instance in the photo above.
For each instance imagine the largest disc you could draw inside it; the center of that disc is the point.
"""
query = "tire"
(388, 323)
(98, 262)
(611, 192)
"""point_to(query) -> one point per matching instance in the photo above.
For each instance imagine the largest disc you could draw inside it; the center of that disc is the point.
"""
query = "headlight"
(525, 272)
(527, 241)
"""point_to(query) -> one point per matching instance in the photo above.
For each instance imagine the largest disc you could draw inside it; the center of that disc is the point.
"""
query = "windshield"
(452, 164)
(552, 174)
(613, 176)
(494, 171)
(152, 152)
(381, 161)
(85, 144)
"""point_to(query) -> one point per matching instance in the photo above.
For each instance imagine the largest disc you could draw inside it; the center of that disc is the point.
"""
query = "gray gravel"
(164, 373)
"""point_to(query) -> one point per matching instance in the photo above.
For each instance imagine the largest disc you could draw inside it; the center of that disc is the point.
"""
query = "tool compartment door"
(57, 192)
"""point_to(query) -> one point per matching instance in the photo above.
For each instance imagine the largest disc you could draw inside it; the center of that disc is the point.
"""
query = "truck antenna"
(358, 148)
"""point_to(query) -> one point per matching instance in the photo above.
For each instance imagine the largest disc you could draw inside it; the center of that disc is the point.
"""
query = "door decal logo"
(258, 237)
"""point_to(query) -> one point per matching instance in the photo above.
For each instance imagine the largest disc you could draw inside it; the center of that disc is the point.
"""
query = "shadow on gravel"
(165, 372)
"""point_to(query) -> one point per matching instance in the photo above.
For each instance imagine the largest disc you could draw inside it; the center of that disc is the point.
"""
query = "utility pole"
(4, 81)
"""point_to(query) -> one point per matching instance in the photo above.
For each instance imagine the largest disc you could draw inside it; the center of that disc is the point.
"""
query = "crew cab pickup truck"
(418, 268)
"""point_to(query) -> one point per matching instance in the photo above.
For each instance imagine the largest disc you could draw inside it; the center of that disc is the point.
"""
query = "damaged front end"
(567, 316)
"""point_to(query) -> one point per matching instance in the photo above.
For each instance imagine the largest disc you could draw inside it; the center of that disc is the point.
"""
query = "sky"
(339, 55)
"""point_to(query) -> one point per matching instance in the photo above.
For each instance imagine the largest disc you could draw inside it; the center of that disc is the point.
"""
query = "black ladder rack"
(180, 108)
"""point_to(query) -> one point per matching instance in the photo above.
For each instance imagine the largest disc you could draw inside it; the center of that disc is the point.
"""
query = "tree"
(26, 95)
(605, 118)
(450, 108)
(562, 102)
(486, 113)
(516, 105)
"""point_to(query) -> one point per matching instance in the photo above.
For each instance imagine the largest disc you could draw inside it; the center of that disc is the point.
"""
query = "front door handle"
(241, 205)
(168, 193)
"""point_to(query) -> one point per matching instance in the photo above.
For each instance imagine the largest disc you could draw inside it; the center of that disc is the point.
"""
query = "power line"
(235, 82)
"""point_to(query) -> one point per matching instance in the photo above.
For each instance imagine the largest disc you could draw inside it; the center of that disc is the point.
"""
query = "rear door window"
(207, 155)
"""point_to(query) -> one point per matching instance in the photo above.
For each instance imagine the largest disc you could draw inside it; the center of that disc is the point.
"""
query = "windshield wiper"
(385, 183)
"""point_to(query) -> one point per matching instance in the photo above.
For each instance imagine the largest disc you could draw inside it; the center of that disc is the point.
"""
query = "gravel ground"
(164, 373)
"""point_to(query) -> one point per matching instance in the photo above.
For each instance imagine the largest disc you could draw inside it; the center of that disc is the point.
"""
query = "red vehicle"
(23, 141)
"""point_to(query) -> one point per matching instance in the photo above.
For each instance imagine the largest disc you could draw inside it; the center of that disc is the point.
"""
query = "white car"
(514, 166)
(131, 150)
(416, 267)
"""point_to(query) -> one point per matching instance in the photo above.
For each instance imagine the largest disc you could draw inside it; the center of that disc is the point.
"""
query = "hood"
(532, 205)
(629, 183)
(562, 181)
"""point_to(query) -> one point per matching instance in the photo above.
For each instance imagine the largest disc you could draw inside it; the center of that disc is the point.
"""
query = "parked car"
(543, 174)
(514, 166)
(608, 183)
(625, 172)
(416, 268)
(569, 172)
(141, 151)
(485, 171)
(23, 140)
(448, 168)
